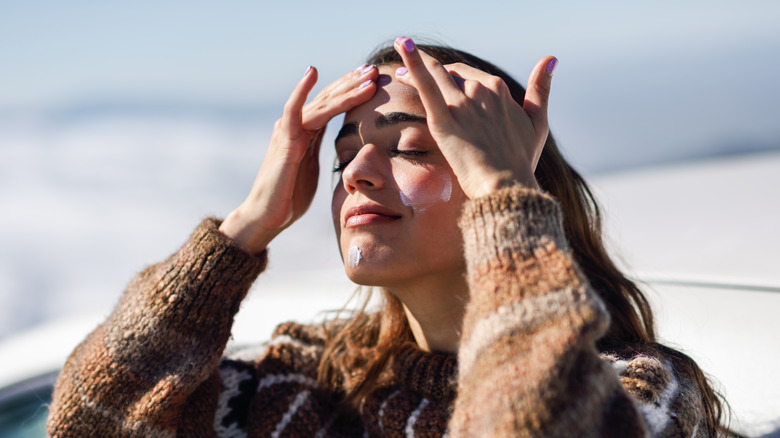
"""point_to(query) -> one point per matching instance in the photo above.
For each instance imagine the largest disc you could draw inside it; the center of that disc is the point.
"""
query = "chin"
(371, 276)
(362, 276)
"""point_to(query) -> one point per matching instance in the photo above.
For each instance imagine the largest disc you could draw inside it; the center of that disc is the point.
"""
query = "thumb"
(538, 93)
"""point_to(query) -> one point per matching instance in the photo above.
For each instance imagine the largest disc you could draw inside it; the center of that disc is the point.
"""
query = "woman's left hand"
(489, 140)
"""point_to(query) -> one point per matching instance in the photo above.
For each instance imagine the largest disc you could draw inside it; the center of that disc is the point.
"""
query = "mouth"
(369, 214)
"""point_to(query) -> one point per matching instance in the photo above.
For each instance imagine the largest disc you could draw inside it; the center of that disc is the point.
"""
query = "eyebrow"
(382, 121)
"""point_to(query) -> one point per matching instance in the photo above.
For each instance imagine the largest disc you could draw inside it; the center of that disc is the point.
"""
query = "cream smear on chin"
(420, 197)
(354, 257)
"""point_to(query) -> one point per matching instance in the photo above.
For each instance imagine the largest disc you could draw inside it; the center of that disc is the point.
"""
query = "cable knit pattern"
(527, 365)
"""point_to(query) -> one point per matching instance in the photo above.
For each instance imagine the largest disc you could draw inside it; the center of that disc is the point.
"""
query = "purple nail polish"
(365, 84)
(367, 69)
(400, 71)
(361, 67)
(409, 45)
(308, 69)
(551, 65)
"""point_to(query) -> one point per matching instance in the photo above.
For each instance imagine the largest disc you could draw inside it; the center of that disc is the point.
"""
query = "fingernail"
(407, 43)
(308, 69)
(551, 65)
(400, 71)
(361, 67)
(367, 69)
(365, 84)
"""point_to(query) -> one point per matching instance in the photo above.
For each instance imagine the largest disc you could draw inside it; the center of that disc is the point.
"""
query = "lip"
(369, 214)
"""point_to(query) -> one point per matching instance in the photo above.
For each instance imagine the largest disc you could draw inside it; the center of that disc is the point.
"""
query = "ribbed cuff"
(226, 269)
(513, 219)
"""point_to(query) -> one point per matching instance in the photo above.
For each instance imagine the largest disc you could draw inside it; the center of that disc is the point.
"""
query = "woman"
(503, 317)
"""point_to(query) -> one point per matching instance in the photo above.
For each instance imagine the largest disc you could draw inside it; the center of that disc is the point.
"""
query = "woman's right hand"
(285, 185)
(489, 139)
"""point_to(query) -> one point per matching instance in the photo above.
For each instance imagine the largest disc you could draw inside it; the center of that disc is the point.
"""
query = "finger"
(291, 116)
(467, 72)
(428, 76)
(463, 72)
(346, 93)
(538, 93)
(350, 80)
(473, 80)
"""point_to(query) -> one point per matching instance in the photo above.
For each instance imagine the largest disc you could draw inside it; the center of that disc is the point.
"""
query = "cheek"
(424, 188)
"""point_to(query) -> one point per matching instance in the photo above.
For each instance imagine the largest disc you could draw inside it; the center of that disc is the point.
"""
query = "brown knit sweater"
(527, 363)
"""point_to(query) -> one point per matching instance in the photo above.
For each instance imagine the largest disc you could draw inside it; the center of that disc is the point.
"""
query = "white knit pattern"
(413, 418)
(231, 380)
(658, 415)
(275, 379)
(288, 416)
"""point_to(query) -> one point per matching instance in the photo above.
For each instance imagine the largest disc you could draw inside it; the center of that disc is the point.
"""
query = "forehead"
(391, 96)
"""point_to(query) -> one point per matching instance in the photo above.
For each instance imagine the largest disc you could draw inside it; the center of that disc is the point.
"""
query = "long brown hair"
(357, 356)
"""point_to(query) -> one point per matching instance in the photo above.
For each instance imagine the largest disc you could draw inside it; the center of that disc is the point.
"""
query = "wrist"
(501, 180)
(245, 233)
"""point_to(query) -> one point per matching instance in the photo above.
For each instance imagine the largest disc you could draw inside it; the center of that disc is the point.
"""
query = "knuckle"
(436, 64)
(495, 83)
(463, 99)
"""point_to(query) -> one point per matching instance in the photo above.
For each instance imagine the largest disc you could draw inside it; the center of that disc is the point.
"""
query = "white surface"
(715, 219)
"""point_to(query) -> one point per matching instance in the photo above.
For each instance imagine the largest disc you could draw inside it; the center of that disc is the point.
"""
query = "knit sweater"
(527, 364)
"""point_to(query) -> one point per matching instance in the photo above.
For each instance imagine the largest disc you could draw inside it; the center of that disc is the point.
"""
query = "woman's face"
(396, 207)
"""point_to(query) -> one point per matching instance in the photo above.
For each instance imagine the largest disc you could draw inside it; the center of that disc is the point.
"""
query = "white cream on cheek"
(354, 256)
(421, 196)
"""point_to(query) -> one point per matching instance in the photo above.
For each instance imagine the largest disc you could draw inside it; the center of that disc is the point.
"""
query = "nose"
(365, 171)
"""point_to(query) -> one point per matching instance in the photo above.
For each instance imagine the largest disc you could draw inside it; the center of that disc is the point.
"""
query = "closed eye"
(410, 153)
(341, 165)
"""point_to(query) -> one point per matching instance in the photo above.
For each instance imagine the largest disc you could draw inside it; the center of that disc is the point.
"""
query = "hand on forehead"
(391, 96)
(390, 89)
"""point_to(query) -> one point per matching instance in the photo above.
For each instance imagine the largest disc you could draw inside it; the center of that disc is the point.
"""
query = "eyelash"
(341, 165)
(396, 152)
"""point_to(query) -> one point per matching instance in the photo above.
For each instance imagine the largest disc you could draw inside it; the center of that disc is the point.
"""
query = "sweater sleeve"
(528, 363)
(133, 375)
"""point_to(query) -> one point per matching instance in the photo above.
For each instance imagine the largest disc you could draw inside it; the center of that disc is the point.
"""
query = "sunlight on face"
(396, 208)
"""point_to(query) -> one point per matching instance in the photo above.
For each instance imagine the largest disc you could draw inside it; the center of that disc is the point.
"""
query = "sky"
(689, 75)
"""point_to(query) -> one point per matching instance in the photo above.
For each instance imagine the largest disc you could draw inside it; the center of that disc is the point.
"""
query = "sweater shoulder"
(663, 387)
(293, 346)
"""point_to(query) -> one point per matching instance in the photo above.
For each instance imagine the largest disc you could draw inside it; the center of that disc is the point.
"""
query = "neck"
(435, 312)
